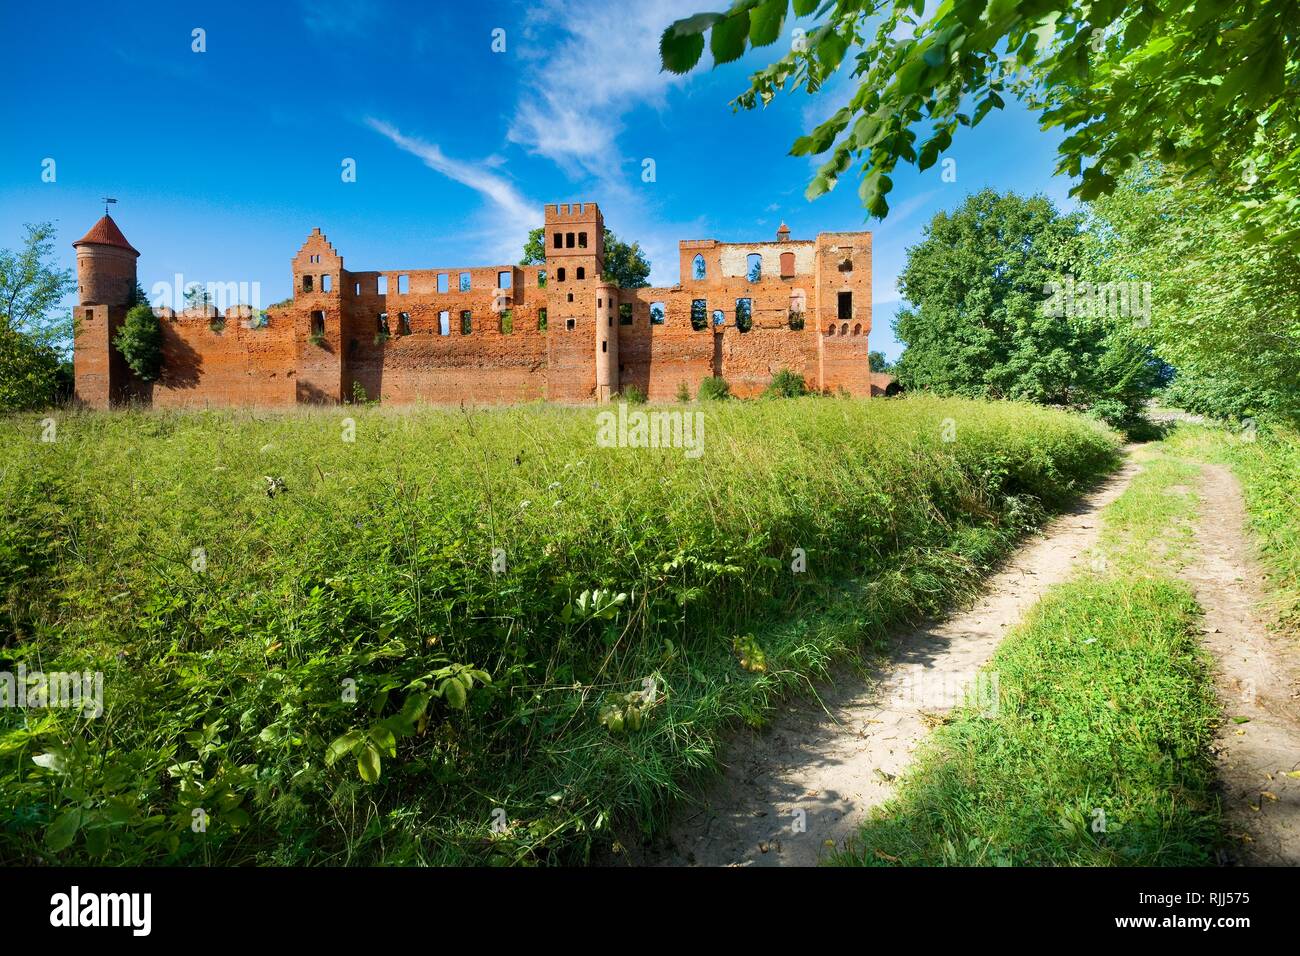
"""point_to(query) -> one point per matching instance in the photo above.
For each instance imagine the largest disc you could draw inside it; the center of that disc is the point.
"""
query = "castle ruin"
(495, 334)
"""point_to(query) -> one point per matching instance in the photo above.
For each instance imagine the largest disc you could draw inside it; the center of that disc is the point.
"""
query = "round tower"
(105, 265)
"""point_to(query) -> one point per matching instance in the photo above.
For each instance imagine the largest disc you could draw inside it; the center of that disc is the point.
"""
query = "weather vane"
(108, 201)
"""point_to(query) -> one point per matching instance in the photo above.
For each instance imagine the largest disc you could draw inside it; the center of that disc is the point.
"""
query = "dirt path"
(804, 784)
(1257, 680)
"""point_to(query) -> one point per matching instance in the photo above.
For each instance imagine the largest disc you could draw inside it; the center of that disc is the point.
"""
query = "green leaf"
(453, 692)
(765, 22)
(679, 52)
(368, 763)
(60, 834)
(342, 745)
(727, 39)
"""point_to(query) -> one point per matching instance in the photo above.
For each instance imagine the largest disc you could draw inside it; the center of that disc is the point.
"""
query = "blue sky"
(223, 161)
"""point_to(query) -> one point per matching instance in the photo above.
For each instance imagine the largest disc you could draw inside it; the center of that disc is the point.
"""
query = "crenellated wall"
(508, 333)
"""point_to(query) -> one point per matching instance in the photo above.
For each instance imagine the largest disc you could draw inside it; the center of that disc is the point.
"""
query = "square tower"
(575, 255)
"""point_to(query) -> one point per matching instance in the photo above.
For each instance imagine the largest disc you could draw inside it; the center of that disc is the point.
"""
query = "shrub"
(634, 395)
(683, 392)
(140, 342)
(29, 372)
(714, 389)
(786, 384)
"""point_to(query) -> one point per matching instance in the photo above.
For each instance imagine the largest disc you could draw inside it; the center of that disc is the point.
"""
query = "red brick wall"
(281, 365)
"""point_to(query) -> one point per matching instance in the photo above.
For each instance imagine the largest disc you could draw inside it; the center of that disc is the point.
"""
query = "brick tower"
(106, 278)
(583, 345)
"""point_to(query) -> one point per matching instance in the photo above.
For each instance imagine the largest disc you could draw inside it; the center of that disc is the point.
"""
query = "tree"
(33, 335)
(1210, 87)
(31, 286)
(140, 342)
(1224, 312)
(878, 362)
(978, 320)
(625, 264)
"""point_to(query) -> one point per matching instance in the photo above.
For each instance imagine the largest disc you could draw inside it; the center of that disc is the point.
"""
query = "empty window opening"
(465, 282)
(326, 283)
(719, 317)
(744, 314)
(541, 278)
(504, 279)
(568, 240)
(357, 289)
(625, 313)
(787, 265)
(657, 313)
(381, 325)
(582, 273)
(443, 279)
(403, 323)
(559, 240)
(559, 274)
(444, 323)
(753, 267)
(582, 240)
(403, 285)
(541, 320)
(306, 283)
(466, 322)
(846, 306)
(381, 285)
(604, 346)
(846, 263)
(318, 324)
(570, 296)
(699, 315)
(506, 322)
(570, 324)
(698, 269)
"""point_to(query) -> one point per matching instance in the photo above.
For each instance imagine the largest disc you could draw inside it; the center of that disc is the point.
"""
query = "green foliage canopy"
(140, 342)
(1209, 87)
(976, 324)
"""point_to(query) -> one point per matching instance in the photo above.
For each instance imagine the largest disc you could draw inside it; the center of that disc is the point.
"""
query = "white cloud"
(578, 86)
(513, 214)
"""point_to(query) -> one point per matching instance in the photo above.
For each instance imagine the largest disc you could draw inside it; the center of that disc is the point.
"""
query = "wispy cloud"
(517, 213)
(589, 62)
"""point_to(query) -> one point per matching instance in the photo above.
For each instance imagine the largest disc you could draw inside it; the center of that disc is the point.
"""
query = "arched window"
(857, 329)
(582, 273)
(657, 313)
(559, 274)
(698, 269)
(744, 314)
(753, 267)
(830, 329)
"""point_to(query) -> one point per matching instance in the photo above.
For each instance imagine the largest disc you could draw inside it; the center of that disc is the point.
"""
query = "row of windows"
(701, 318)
(565, 240)
(505, 323)
(753, 267)
(464, 282)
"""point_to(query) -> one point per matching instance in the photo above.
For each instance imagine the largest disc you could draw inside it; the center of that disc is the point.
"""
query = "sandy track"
(793, 790)
(1257, 680)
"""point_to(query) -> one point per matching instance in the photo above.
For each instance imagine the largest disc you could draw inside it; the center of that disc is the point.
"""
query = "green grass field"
(460, 637)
